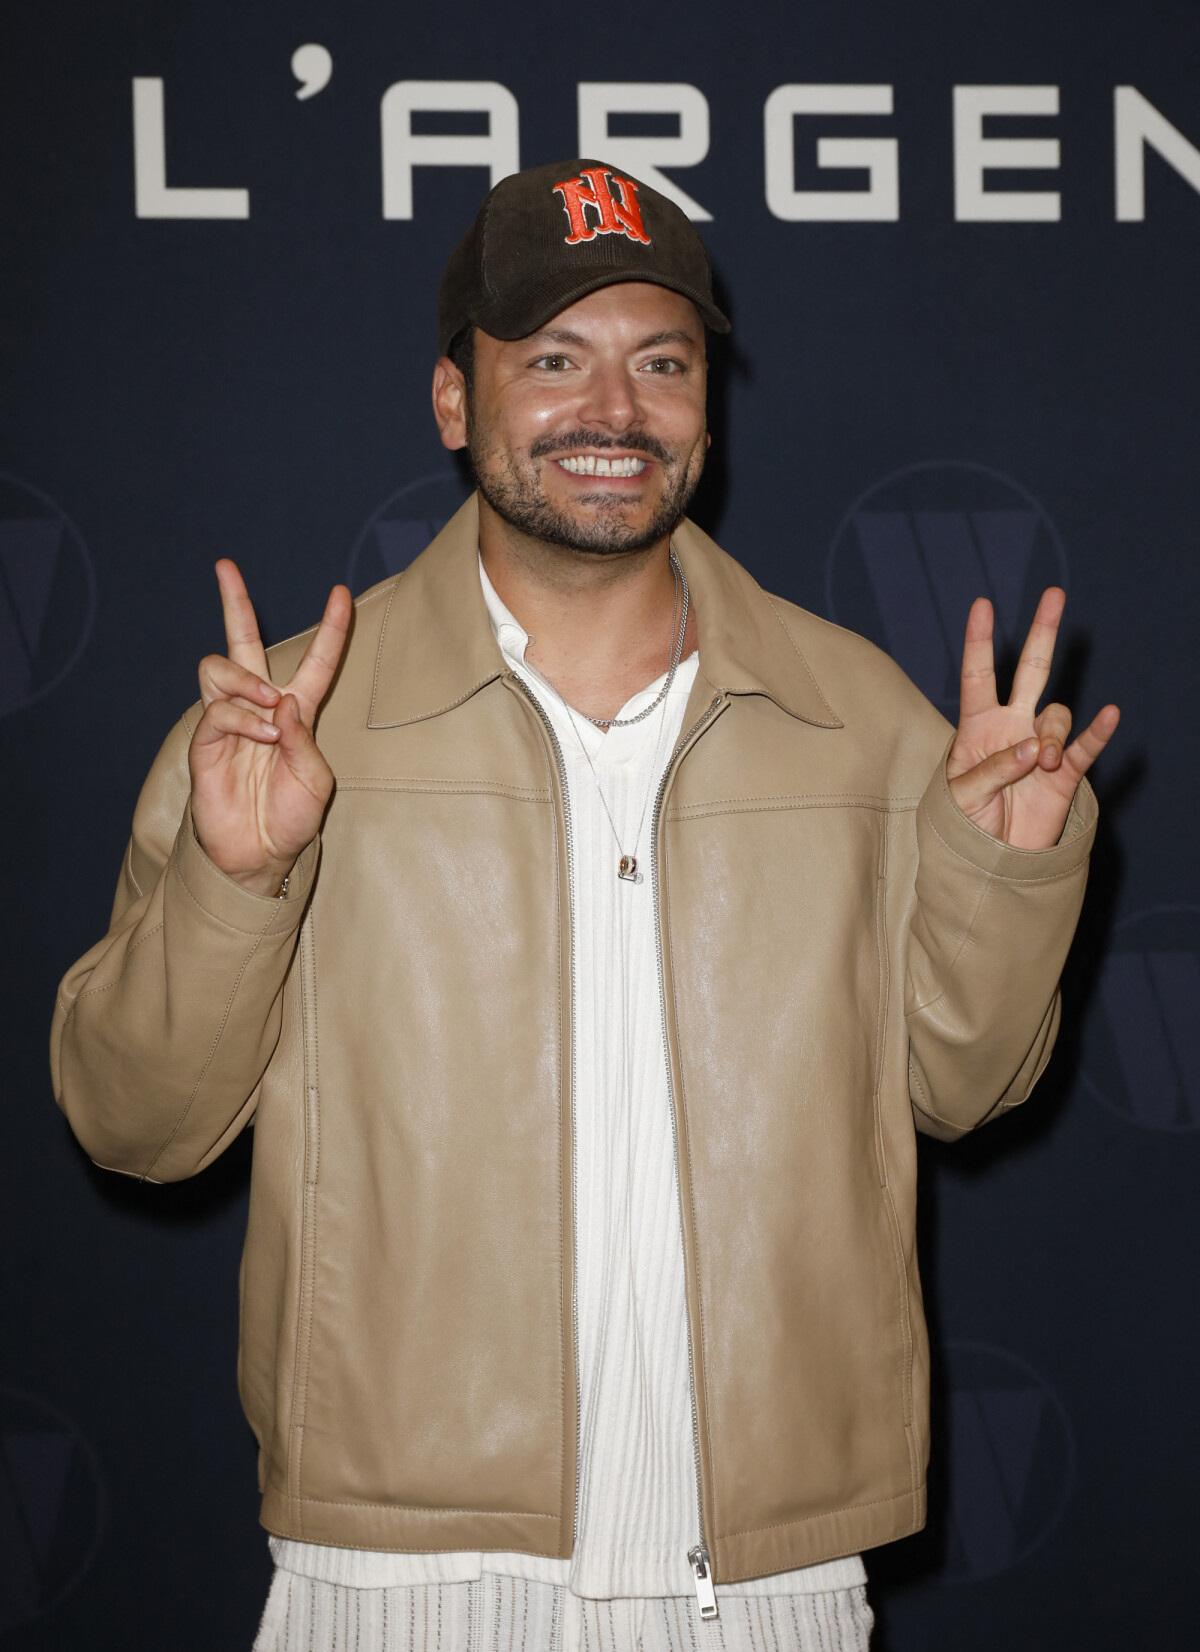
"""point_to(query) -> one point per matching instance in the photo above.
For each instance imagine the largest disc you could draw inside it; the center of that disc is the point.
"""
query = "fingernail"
(1027, 751)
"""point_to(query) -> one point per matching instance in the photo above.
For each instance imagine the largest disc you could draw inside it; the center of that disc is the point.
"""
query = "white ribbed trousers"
(506, 1614)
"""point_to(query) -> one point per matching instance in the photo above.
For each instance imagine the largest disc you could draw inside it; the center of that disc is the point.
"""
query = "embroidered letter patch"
(616, 217)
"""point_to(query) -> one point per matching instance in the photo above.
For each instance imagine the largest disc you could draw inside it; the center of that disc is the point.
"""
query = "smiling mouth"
(592, 464)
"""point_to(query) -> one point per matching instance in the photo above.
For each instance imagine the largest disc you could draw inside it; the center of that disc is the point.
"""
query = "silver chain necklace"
(681, 592)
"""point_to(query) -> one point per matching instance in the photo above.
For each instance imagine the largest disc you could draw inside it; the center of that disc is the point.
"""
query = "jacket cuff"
(228, 902)
(975, 846)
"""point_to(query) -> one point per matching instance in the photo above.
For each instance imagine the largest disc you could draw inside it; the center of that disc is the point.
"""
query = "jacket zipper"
(562, 781)
(697, 1556)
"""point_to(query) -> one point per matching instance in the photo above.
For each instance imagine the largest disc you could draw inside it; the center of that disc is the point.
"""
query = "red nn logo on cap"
(617, 217)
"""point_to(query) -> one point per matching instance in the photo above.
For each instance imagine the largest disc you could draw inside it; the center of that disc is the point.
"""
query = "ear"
(450, 403)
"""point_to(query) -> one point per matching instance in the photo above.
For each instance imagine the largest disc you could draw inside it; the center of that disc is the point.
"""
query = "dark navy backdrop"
(913, 409)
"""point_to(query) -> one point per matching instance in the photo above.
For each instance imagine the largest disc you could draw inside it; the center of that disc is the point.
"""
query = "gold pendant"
(627, 868)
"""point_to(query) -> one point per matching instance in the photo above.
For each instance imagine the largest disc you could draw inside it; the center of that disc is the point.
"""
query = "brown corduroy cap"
(546, 237)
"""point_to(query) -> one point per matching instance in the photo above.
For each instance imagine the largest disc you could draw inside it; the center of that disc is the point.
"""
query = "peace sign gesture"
(259, 781)
(1010, 769)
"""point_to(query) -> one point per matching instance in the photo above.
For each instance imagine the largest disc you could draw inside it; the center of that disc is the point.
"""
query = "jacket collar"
(436, 647)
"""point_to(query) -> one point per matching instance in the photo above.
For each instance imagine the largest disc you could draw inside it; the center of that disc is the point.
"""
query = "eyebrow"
(559, 335)
(563, 335)
(673, 335)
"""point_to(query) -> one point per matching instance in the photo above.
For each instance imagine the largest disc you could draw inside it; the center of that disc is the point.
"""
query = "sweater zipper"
(698, 1556)
(562, 781)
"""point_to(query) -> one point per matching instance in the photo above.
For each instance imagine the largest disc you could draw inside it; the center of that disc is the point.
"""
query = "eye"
(662, 366)
(552, 363)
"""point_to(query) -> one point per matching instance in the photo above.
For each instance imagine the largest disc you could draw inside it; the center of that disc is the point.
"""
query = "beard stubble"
(512, 487)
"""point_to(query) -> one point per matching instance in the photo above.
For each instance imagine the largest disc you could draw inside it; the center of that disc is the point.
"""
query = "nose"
(610, 400)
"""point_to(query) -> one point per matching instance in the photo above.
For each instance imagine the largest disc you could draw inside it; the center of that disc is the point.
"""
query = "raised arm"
(1003, 836)
(163, 1029)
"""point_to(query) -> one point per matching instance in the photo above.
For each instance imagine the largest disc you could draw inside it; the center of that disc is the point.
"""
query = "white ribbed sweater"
(638, 1494)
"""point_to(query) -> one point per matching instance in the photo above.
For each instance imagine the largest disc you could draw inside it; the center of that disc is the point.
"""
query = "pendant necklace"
(627, 864)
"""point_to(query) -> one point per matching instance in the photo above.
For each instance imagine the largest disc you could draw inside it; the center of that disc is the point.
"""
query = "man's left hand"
(1010, 768)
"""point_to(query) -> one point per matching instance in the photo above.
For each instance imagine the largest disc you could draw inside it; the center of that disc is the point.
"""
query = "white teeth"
(587, 464)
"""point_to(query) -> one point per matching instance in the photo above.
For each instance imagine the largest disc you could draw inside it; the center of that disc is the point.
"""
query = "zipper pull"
(706, 1595)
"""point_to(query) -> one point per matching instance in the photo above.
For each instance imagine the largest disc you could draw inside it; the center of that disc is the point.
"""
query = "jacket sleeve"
(988, 939)
(163, 1029)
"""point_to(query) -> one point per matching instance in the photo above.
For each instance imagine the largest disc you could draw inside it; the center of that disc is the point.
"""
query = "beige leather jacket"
(842, 953)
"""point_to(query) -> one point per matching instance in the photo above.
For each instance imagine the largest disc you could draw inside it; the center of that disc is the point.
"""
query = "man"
(584, 983)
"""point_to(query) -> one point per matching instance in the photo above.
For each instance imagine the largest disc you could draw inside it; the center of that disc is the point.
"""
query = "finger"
(1052, 728)
(241, 628)
(976, 788)
(1037, 656)
(224, 718)
(978, 683)
(1082, 753)
(224, 679)
(312, 677)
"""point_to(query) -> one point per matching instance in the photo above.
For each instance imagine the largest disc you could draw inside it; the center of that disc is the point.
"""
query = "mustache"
(547, 447)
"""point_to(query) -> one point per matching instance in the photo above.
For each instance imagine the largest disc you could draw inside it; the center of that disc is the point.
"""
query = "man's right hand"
(259, 782)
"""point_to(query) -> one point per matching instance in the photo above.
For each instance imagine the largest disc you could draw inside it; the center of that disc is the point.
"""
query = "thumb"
(289, 722)
(298, 747)
(976, 788)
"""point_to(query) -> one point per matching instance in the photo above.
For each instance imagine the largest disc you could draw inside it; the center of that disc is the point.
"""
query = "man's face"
(590, 433)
